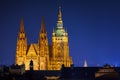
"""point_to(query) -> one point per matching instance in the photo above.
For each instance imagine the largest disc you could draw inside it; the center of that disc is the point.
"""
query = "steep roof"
(32, 50)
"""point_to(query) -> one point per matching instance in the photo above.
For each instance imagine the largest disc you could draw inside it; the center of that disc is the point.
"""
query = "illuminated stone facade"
(43, 55)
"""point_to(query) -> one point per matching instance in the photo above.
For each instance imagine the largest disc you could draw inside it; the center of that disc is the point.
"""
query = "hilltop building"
(43, 55)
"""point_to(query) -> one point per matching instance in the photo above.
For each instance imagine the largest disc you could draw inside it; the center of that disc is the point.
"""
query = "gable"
(32, 50)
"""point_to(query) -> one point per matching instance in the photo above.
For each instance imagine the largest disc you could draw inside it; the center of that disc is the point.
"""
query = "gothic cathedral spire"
(21, 45)
(43, 48)
(42, 34)
(21, 25)
(43, 26)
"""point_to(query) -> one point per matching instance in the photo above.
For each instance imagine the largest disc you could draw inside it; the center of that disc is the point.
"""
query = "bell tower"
(60, 47)
(21, 46)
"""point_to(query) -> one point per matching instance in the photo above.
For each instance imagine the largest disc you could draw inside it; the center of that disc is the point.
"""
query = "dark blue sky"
(93, 27)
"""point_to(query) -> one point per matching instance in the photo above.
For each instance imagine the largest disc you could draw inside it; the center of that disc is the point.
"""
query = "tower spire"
(22, 25)
(21, 46)
(59, 22)
(59, 14)
(85, 64)
(43, 26)
(43, 48)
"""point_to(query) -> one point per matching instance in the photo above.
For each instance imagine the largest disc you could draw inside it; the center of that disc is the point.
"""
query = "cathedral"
(43, 55)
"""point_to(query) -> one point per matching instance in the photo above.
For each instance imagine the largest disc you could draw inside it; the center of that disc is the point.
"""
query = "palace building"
(43, 55)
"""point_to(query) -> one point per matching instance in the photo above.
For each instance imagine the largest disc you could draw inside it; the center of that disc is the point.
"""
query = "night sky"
(93, 27)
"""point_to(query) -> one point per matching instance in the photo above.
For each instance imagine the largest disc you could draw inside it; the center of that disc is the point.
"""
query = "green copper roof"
(59, 32)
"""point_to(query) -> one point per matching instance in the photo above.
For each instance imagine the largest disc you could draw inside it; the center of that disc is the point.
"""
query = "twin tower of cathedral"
(43, 55)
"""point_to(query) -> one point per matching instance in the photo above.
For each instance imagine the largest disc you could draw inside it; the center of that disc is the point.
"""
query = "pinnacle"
(43, 26)
(21, 25)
